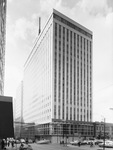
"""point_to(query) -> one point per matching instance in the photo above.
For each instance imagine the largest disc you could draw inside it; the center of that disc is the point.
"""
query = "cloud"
(9, 1)
(95, 7)
(24, 28)
(109, 21)
(13, 77)
(48, 5)
(20, 33)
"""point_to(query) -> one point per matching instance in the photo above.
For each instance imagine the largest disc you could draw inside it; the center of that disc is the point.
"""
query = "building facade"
(102, 129)
(2, 43)
(6, 117)
(58, 74)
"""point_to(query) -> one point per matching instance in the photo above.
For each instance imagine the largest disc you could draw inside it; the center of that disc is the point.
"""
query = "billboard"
(6, 117)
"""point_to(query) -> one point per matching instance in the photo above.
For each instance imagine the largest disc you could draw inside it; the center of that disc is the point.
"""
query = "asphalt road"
(62, 147)
(59, 147)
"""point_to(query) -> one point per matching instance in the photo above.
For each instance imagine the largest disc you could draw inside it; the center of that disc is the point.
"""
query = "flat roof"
(5, 99)
(66, 18)
(72, 21)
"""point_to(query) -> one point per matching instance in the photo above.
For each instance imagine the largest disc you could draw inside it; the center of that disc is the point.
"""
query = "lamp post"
(57, 132)
(111, 108)
(66, 132)
(104, 135)
(73, 131)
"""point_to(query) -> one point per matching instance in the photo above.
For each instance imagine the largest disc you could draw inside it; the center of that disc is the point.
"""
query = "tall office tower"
(2, 43)
(58, 73)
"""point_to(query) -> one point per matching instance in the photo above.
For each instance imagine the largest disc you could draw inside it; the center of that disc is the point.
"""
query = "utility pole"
(73, 131)
(57, 132)
(66, 132)
(104, 135)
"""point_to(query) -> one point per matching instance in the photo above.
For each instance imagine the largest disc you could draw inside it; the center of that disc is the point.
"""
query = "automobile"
(22, 140)
(30, 141)
(108, 144)
(24, 146)
(98, 141)
(74, 142)
(17, 141)
(84, 142)
(43, 141)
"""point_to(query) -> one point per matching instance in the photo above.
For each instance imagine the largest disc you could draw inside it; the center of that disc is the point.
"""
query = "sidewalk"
(82, 147)
(10, 148)
(87, 147)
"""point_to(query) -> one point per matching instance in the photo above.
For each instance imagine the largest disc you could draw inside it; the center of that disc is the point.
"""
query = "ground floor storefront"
(58, 130)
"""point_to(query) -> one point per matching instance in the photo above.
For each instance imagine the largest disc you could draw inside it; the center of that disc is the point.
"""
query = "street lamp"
(57, 132)
(111, 108)
(104, 135)
(65, 131)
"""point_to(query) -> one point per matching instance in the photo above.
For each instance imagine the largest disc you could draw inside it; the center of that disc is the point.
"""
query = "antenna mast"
(39, 25)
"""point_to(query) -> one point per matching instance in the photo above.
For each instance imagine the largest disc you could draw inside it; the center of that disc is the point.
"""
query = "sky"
(22, 30)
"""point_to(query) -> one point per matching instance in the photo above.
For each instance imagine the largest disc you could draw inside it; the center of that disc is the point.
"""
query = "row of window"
(60, 64)
(67, 61)
(80, 114)
(72, 25)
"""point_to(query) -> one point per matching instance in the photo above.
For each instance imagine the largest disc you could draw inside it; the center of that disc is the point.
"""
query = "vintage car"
(108, 144)
(43, 141)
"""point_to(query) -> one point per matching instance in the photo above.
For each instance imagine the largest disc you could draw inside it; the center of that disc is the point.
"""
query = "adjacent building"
(57, 85)
(2, 43)
(6, 117)
(6, 103)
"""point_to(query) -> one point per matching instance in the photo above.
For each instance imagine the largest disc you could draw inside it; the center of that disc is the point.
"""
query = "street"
(63, 147)
(60, 147)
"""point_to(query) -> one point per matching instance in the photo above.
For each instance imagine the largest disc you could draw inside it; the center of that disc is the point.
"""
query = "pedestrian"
(79, 143)
(2, 144)
(91, 144)
(8, 143)
(26, 140)
(12, 143)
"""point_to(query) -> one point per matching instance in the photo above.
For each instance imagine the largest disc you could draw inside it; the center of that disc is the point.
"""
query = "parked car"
(98, 141)
(43, 141)
(22, 140)
(108, 144)
(85, 142)
(30, 141)
(17, 141)
(74, 142)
